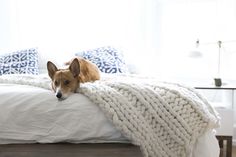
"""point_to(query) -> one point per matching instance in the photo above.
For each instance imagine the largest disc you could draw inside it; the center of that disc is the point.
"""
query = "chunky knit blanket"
(164, 119)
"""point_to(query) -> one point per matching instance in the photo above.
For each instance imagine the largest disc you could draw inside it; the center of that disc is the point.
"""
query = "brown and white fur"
(66, 81)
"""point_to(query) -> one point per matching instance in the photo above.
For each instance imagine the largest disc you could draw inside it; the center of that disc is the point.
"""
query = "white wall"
(62, 27)
(8, 27)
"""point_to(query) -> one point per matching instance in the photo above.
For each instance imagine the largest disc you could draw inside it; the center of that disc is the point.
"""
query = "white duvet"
(30, 114)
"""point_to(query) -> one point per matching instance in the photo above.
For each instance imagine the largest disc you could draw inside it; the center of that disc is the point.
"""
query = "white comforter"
(32, 114)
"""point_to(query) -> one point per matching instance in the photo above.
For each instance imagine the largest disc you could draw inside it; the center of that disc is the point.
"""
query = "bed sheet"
(31, 114)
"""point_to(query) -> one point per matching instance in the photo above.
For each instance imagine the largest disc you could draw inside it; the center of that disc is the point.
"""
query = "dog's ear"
(75, 67)
(51, 69)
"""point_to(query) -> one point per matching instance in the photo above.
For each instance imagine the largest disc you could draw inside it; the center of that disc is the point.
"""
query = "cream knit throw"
(165, 119)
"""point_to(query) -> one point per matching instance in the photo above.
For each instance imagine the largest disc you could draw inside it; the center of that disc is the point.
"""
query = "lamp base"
(218, 82)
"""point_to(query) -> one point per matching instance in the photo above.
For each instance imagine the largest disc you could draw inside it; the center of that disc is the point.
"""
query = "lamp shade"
(195, 54)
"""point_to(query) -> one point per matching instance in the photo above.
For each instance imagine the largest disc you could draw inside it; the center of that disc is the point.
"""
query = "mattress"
(31, 114)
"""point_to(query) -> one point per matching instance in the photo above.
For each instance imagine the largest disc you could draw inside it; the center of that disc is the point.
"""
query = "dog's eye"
(56, 83)
(66, 82)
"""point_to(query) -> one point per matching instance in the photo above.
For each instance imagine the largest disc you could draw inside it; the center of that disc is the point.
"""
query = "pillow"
(108, 59)
(20, 62)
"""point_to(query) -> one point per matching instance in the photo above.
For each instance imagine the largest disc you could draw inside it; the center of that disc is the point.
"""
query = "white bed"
(31, 114)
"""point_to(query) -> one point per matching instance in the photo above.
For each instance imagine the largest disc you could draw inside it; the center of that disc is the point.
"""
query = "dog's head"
(64, 81)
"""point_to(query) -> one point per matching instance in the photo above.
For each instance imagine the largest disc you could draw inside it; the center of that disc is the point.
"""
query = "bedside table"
(225, 132)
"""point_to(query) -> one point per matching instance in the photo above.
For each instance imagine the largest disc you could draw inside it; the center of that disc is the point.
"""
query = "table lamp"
(217, 80)
(198, 54)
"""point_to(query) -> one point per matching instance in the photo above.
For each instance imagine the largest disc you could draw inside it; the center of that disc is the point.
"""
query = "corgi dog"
(66, 81)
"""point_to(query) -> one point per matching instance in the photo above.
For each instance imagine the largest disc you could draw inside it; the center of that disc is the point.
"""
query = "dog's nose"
(59, 95)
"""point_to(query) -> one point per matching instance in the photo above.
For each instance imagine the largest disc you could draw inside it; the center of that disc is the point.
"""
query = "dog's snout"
(59, 95)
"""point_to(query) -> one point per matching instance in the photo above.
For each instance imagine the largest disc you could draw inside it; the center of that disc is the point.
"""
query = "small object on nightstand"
(218, 82)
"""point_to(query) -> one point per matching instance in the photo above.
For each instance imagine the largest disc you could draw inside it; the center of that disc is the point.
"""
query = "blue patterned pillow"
(20, 62)
(108, 59)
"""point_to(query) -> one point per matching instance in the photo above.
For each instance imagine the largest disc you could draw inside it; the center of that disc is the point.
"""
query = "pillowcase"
(20, 62)
(108, 59)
